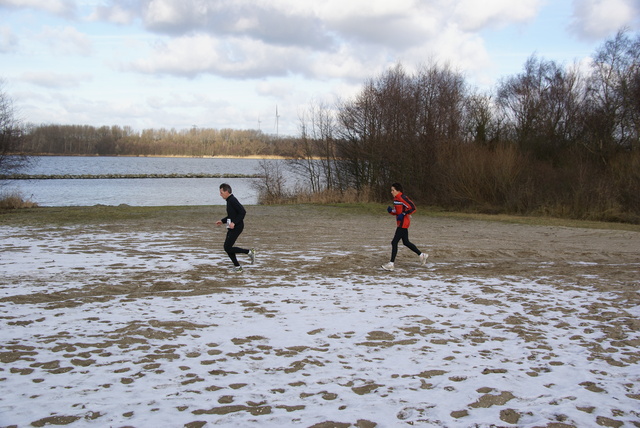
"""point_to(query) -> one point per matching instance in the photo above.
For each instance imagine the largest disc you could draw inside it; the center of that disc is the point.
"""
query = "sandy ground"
(499, 311)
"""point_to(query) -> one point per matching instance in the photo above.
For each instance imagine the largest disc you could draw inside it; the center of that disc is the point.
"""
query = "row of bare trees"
(124, 141)
(552, 139)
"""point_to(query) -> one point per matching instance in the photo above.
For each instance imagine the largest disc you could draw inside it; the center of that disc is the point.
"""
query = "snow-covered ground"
(148, 329)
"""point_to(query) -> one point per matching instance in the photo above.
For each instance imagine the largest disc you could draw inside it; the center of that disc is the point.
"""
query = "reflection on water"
(137, 192)
(134, 191)
(60, 165)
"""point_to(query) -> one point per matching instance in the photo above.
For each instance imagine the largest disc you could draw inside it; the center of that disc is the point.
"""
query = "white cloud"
(253, 39)
(67, 41)
(161, 12)
(396, 31)
(55, 80)
(235, 58)
(266, 21)
(461, 50)
(473, 15)
(333, 10)
(277, 89)
(596, 19)
(57, 7)
(319, 39)
(8, 40)
(117, 14)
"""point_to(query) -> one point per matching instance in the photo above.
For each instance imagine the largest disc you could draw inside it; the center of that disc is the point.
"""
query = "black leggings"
(402, 234)
(232, 237)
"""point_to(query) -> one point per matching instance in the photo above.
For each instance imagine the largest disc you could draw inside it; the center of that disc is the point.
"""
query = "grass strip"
(105, 214)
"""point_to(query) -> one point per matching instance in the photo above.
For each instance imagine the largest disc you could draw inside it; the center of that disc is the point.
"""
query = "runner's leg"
(232, 237)
(394, 243)
(409, 244)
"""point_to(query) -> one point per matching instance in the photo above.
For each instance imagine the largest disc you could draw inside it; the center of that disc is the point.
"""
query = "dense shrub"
(15, 201)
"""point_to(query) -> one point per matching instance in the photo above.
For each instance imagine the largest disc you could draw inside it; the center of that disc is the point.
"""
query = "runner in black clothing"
(235, 226)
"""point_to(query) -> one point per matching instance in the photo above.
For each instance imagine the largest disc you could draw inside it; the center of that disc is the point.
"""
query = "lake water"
(134, 191)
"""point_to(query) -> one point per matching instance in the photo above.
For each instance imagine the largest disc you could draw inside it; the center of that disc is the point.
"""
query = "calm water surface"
(137, 192)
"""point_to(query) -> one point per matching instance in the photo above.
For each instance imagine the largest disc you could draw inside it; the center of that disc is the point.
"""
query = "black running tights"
(401, 234)
(232, 237)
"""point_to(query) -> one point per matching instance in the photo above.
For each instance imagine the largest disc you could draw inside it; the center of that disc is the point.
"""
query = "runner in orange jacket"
(403, 207)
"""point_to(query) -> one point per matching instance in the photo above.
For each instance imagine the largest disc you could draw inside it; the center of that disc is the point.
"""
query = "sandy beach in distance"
(138, 322)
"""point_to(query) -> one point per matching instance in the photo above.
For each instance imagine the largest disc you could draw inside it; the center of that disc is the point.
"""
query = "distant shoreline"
(119, 176)
(270, 157)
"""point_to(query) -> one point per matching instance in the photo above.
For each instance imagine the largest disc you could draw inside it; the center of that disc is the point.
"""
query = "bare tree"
(440, 96)
(479, 120)
(360, 140)
(11, 136)
(391, 130)
(271, 187)
(305, 163)
(541, 104)
(612, 118)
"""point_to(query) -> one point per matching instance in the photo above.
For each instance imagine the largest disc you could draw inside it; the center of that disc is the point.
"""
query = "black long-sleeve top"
(235, 211)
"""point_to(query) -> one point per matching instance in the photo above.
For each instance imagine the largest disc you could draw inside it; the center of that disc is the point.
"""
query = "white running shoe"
(237, 269)
(388, 266)
(252, 255)
(423, 258)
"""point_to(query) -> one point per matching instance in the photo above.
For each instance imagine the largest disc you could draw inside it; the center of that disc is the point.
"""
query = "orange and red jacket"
(403, 207)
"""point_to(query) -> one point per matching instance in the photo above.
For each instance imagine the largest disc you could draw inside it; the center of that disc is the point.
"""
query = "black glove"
(400, 217)
(389, 210)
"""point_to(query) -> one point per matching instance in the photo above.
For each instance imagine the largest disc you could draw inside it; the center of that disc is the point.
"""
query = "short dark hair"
(225, 187)
(398, 187)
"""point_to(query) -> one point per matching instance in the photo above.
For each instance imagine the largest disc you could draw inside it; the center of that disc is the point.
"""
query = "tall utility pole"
(277, 121)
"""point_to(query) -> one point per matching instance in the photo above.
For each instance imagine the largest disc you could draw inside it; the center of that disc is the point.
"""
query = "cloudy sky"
(229, 63)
